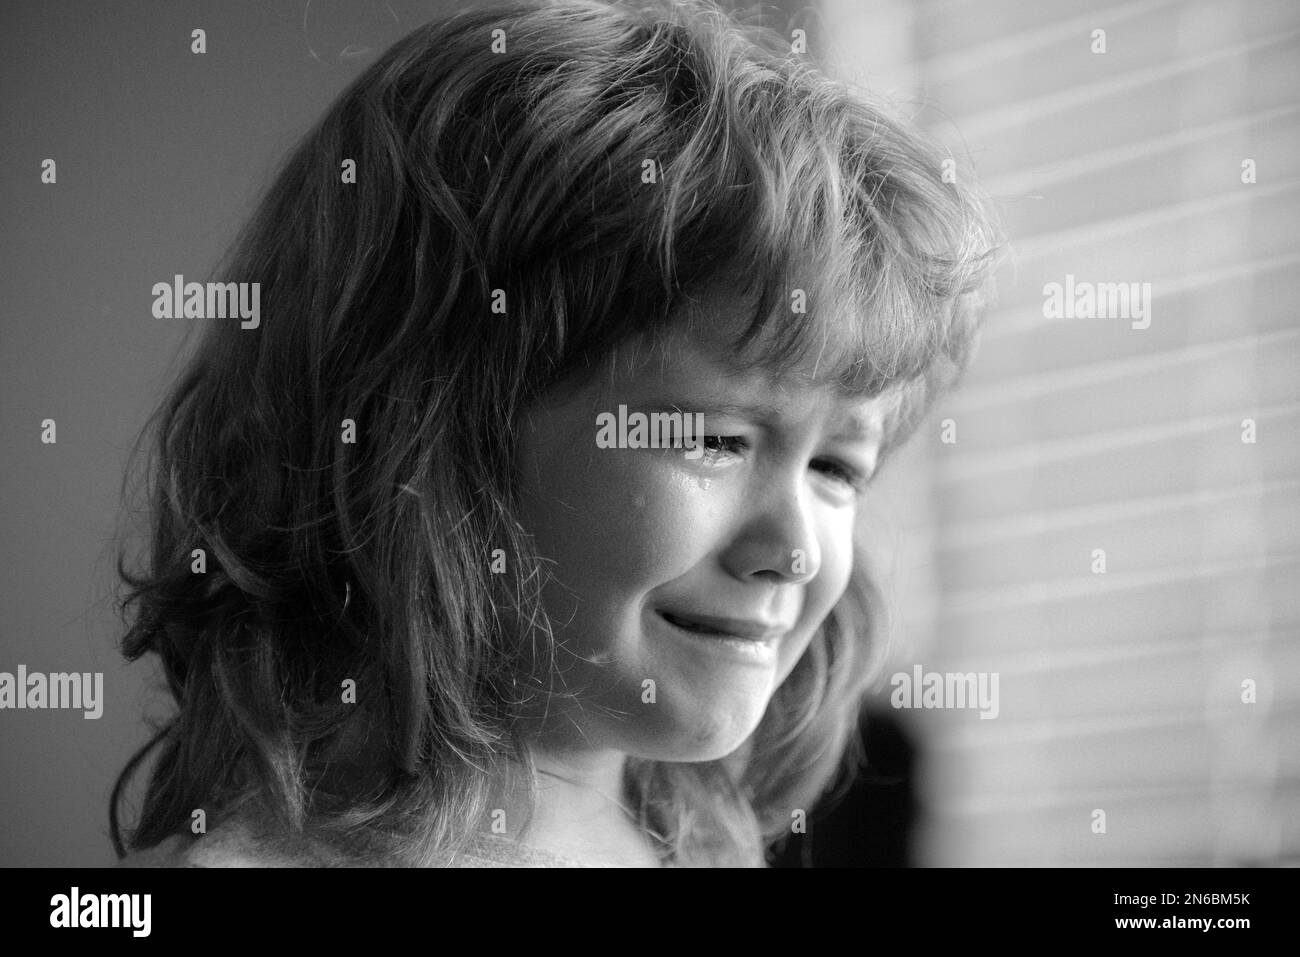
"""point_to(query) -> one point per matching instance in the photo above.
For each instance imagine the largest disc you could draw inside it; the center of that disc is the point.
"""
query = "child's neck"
(581, 811)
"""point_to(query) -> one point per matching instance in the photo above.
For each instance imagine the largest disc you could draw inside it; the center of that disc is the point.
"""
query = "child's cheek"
(649, 518)
(820, 595)
(620, 519)
(837, 566)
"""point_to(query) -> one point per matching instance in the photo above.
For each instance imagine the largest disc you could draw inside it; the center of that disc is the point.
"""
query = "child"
(521, 529)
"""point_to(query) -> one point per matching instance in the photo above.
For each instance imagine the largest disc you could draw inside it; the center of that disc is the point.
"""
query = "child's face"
(647, 544)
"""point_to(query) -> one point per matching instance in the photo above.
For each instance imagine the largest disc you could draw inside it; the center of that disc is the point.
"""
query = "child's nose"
(778, 542)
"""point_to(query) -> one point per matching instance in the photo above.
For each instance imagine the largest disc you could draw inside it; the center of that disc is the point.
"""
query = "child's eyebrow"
(861, 427)
(858, 427)
(759, 411)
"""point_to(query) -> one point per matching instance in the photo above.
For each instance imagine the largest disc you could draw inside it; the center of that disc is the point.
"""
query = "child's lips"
(725, 626)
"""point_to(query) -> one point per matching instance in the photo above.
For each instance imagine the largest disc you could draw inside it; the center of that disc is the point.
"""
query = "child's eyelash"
(843, 473)
(734, 444)
(716, 444)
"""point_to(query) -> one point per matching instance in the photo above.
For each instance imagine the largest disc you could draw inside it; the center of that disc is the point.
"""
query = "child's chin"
(705, 736)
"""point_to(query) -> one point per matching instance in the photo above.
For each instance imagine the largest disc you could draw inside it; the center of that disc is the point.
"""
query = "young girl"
(419, 600)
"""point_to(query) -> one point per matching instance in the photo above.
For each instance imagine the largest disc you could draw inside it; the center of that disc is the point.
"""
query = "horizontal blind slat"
(986, 124)
(1109, 158)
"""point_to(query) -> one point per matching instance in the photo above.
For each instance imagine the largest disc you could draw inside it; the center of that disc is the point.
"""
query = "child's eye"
(842, 473)
(723, 444)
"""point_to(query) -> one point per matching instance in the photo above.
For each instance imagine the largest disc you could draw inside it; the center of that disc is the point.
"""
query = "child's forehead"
(701, 360)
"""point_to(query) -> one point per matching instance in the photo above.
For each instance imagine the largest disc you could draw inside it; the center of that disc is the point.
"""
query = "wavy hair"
(607, 164)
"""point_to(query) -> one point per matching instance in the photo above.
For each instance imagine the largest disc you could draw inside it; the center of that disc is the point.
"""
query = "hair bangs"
(837, 228)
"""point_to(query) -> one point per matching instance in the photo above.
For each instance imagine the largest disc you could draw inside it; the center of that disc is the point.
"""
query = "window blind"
(1110, 526)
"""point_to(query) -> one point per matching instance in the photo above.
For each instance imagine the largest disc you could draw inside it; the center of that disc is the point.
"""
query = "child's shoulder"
(237, 843)
(167, 853)
(231, 844)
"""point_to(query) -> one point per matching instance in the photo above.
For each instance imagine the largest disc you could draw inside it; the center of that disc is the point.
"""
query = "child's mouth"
(737, 639)
(691, 625)
(724, 627)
